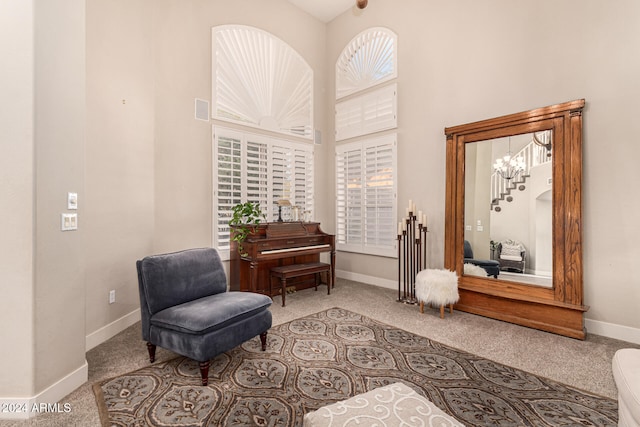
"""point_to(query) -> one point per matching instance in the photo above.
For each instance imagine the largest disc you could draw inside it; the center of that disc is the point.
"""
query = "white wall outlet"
(112, 296)
(68, 221)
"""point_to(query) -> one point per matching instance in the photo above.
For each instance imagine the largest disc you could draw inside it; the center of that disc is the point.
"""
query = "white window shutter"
(259, 80)
(368, 113)
(228, 185)
(368, 60)
(254, 168)
(366, 196)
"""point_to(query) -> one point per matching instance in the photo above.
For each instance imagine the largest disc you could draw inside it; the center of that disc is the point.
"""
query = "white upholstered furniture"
(437, 287)
(392, 405)
(626, 373)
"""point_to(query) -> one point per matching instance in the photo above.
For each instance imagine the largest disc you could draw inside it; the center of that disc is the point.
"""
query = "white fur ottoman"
(626, 373)
(392, 405)
(437, 287)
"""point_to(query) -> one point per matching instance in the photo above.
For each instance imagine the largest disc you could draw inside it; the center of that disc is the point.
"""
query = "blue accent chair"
(186, 308)
(492, 267)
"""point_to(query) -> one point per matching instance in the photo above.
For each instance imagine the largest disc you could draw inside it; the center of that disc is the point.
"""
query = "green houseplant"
(245, 217)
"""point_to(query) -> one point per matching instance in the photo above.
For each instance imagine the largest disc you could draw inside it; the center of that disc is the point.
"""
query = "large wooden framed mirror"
(513, 225)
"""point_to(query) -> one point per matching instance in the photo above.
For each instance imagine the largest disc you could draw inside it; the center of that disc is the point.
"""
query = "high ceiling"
(324, 10)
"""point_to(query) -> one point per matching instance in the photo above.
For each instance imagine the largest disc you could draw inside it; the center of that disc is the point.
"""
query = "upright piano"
(277, 244)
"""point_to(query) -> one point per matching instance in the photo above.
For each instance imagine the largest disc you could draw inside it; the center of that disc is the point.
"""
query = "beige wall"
(59, 161)
(16, 197)
(462, 61)
(43, 122)
(119, 198)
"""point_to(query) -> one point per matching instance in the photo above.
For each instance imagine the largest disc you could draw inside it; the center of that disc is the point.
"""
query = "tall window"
(366, 196)
(366, 168)
(259, 82)
(255, 168)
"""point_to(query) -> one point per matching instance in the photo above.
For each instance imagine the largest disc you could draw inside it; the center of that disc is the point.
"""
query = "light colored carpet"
(582, 364)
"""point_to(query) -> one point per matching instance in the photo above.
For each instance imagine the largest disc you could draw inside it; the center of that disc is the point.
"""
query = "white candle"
(420, 217)
(404, 226)
(413, 208)
(399, 228)
(410, 204)
(424, 220)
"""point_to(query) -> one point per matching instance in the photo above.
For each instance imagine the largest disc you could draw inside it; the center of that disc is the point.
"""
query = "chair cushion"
(511, 250)
(211, 313)
(171, 279)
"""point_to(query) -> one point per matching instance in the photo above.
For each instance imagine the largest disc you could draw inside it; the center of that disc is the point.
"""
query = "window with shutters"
(260, 81)
(257, 168)
(366, 196)
(366, 171)
(368, 60)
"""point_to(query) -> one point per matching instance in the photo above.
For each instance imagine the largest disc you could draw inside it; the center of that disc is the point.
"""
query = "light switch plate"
(69, 221)
(72, 201)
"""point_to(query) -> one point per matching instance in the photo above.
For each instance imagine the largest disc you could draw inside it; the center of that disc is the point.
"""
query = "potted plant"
(246, 216)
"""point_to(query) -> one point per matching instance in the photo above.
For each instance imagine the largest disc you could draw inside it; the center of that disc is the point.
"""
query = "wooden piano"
(278, 244)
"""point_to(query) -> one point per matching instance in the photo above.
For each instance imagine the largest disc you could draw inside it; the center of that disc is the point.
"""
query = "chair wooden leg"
(442, 311)
(151, 348)
(204, 372)
(263, 340)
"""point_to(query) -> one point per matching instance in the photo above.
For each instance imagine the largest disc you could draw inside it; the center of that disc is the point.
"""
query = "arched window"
(369, 59)
(260, 81)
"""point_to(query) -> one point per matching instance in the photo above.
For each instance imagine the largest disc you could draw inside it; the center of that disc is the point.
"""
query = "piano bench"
(295, 270)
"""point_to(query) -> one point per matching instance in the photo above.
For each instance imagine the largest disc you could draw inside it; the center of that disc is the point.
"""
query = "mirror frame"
(558, 309)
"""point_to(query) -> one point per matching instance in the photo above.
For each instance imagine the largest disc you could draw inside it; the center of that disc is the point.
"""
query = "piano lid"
(286, 229)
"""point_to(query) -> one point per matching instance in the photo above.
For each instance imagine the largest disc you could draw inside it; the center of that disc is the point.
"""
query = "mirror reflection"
(508, 208)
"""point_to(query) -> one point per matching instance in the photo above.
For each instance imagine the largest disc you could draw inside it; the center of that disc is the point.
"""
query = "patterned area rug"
(331, 356)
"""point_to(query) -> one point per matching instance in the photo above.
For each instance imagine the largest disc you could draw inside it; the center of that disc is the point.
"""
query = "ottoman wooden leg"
(421, 307)
(442, 311)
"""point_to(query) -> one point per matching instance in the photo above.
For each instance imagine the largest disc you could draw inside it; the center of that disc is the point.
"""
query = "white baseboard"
(609, 330)
(370, 280)
(45, 401)
(101, 335)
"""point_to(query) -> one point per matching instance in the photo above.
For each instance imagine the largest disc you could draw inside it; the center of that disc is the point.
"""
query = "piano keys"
(277, 244)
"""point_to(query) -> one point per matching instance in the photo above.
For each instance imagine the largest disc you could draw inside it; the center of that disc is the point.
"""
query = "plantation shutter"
(364, 114)
(303, 172)
(257, 173)
(349, 196)
(366, 196)
(379, 193)
(259, 169)
(228, 169)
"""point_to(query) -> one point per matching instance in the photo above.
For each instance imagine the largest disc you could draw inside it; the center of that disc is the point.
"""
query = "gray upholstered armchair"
(185, 307)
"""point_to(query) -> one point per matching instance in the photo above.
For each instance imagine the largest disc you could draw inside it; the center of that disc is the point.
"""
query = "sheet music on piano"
(276, 244)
